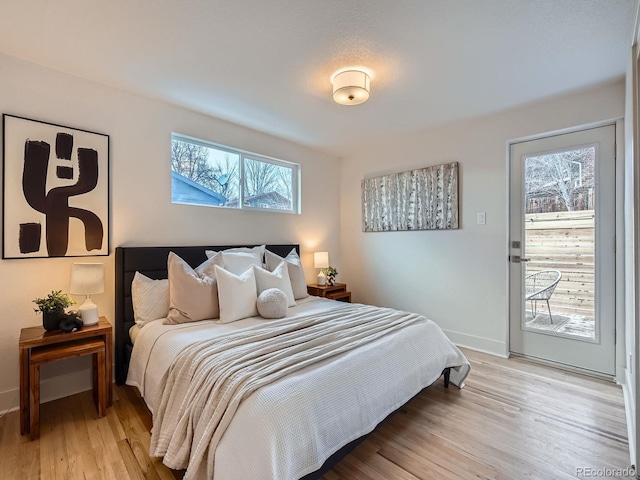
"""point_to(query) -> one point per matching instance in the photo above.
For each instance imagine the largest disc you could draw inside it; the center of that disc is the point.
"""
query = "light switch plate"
(482, 218)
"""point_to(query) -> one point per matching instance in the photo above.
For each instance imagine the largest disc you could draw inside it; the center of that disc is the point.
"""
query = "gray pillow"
(272, 303)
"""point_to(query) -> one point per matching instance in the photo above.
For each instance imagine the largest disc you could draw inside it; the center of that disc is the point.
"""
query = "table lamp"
(321, 260)
(87, 279)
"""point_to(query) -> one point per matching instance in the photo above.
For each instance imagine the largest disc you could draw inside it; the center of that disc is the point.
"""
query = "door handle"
(518, 259)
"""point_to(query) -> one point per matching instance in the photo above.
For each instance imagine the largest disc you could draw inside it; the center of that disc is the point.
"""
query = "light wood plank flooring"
(514, 419)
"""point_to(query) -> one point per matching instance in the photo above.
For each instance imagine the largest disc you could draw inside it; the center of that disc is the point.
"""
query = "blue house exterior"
(184, 190)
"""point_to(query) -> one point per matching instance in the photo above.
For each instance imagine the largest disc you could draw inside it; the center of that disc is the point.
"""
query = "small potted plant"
(52, 308)
(330, 273)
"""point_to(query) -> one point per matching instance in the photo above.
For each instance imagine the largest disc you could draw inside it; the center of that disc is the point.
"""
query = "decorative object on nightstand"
(321, 261)
(333, 292)
(330, 273)
(87, 279)
(52, 308)
(70, 323)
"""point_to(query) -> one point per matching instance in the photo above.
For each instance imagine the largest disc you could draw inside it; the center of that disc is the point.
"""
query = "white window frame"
(577, 183)
(295, 174)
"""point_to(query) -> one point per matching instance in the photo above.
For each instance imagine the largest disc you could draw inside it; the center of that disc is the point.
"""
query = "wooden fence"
(581, 199)
(564, 241)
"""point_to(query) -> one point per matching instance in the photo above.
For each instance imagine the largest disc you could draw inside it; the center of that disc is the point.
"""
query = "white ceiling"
(267, 64)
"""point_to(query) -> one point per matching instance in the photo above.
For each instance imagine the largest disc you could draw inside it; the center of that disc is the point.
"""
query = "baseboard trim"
(479, 344)
(9, 401)
(630, 414)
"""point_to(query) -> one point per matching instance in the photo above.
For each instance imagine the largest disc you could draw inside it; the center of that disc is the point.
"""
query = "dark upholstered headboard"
(152, 262)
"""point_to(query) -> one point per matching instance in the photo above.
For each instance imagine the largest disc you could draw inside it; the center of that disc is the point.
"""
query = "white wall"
(458, 278)
(631, 215)
(630, 250)
(141, 208)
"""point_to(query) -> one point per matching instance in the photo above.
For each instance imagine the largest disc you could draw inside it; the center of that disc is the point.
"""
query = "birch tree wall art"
(422, 199)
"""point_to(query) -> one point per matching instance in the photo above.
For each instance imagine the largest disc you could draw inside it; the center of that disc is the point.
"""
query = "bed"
(302, 424)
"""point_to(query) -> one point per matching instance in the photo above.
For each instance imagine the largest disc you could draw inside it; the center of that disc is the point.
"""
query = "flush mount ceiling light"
(351, 87)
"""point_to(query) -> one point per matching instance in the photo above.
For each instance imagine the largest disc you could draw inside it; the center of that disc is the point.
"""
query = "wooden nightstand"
(38, 347)
(334, 292)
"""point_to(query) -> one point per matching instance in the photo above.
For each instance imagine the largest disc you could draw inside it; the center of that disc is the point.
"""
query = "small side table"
(37, 347)
(333, 292)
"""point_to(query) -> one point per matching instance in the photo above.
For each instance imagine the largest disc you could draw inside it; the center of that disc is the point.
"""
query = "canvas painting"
(55, 190)
(422, 199)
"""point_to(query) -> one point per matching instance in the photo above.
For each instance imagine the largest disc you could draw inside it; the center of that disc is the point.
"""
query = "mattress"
(289, 428)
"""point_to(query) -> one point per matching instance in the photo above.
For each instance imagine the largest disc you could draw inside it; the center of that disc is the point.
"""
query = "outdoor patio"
(563, 241)
(576, 325)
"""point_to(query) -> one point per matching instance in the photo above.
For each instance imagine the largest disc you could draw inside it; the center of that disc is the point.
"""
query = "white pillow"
(279, 279)
(296, 273)
(150, 299)
(193, 294)
(239, 262)
(272, 303)
(259, 250)
(237, 294)
(236, 261)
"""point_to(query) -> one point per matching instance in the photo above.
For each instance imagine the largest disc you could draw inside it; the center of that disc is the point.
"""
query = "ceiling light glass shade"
(351, 87)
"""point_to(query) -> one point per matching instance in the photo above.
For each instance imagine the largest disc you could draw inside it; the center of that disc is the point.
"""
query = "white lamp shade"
(87, 278)
(321, 259)
(351, 87)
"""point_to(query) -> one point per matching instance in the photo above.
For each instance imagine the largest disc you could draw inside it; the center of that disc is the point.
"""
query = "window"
(203, 173)
(576, 173)
(560, 181)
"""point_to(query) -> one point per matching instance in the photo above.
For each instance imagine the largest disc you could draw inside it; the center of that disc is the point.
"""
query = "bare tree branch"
(560, 176)
(191, 161)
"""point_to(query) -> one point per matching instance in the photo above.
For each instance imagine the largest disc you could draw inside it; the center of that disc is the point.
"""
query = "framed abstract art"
(55, 190)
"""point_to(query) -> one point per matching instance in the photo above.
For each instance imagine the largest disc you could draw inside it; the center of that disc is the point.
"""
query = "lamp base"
(89, 313)
(322, 279)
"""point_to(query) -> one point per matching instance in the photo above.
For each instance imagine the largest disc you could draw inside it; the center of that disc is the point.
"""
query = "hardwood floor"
(514, 419)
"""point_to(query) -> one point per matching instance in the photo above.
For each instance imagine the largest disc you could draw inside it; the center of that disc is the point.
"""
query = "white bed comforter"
(288, 428)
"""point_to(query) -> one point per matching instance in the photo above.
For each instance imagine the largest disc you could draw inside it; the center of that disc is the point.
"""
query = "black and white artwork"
(422, 199)
(55, 190)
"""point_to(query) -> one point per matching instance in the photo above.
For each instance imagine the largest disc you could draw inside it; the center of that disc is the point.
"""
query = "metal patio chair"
(540, 286)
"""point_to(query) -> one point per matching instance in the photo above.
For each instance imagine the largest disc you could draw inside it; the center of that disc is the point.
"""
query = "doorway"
(562, 249)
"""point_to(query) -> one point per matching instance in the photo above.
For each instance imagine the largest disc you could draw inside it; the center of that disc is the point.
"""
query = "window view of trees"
(214, 169)
(211, 176)
(560, 182)
(261, 178)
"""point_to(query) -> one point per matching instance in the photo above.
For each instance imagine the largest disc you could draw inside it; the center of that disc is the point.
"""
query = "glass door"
(562, 259)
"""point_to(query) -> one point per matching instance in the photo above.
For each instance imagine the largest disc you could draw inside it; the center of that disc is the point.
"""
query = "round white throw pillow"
(272, 303)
